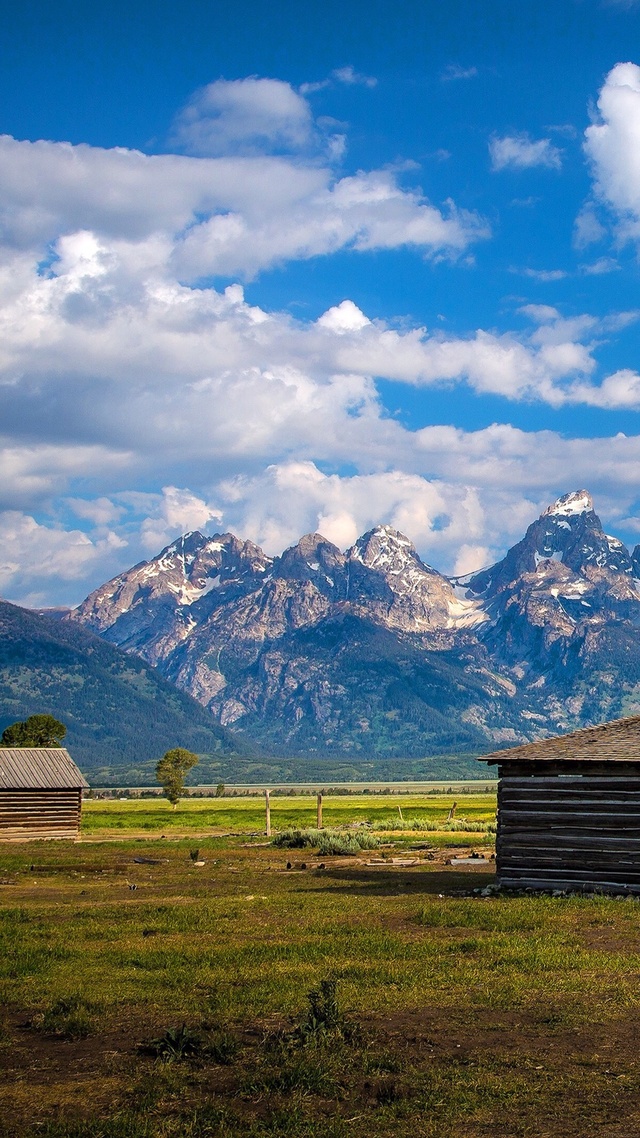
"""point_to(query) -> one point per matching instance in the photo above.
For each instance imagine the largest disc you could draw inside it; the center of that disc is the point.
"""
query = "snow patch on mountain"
(578, 502)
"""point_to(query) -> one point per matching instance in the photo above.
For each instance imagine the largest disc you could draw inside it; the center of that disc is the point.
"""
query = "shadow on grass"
(390, 882)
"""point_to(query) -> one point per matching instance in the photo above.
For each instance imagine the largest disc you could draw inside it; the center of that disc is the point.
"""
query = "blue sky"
(320, 267)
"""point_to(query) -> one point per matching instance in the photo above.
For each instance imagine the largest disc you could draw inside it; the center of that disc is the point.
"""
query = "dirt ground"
(446, 1036)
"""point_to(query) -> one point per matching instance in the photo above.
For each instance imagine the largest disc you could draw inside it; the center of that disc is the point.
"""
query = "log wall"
(556, 832)
(27, 815)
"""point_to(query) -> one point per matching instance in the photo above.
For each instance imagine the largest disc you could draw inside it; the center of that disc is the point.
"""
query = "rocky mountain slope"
(373, 651)
(116, 708)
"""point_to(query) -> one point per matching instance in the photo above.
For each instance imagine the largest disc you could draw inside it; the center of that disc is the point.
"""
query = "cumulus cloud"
(244, 116)
(520, 152)
(461, 496)
(199, 217)
(122, 366)
(111, 366)
(32, 471)
(622, 389)
(288, 499)
(343, 317)
(176, 511)
(612, 144)
(37, 557)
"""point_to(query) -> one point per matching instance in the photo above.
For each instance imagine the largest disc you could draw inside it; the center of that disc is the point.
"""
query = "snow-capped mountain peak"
(386, 549)
(288, 647)
(578, 502)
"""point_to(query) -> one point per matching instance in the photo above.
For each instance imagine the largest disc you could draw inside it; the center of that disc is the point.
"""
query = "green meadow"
(268, 992)
(247, 814)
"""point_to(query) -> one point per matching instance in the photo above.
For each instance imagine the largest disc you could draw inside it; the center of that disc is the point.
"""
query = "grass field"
(457, 1014)
(247, 815)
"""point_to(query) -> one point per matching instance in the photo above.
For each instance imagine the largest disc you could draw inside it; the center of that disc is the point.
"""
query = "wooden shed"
(40, 794)
(569, 810)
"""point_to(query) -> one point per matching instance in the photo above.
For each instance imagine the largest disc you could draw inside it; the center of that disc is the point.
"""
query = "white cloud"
(352, 77)
(587, 229)
(119, 370)
(31, 472)
(244, 116)
(612, 144)
(347, 75)
(176, 511)
(520, 152)
(277, 506)
(461, 496)
(622, 389)
(602, 265)
(544, 275)
(198, 217)
(36, 557)
(454, 71)
(99, 511)
(343, 317)
(470, 559)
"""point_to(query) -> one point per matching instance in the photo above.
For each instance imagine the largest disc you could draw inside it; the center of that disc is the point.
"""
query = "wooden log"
(575, 858)
(550, 781)
(574, 825)
(28, 815)
(534, 883)
(557, 802)
(582, 839)
(562, 880)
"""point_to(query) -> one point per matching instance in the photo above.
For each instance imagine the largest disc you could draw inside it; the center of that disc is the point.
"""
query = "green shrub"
(177, 1043)
(338, 845)
(457, 825)
(327, 842)
(367, 841)
(323, 1013)
(297, 839)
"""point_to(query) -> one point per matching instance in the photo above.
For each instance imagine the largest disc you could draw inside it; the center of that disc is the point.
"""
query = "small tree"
(171, 771)
(36, 731)
(220, 790)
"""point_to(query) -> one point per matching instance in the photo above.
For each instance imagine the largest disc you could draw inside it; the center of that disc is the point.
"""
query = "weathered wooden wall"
(26, 815)
(558, 832)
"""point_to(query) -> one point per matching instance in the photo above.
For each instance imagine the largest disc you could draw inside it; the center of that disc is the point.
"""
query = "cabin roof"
(615, 742)
(39, 768)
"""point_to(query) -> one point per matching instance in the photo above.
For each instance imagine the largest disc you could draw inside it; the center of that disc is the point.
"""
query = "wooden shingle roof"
(39, 768)
(614, 742)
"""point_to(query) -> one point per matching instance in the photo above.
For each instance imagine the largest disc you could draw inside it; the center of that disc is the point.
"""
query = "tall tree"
(172, 770)
(36, 731)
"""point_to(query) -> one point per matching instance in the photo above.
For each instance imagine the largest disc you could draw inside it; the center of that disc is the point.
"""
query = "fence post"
(267, 811)
(319, 815)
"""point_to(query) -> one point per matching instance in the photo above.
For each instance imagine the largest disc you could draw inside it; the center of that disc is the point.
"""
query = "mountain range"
(374, 653)
(120, 714)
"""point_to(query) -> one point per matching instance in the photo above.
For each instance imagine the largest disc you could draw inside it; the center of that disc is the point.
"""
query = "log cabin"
(40, 794)
(569, 811)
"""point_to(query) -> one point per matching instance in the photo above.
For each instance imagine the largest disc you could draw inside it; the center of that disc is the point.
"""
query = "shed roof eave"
(617, 741)
(39, 768)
